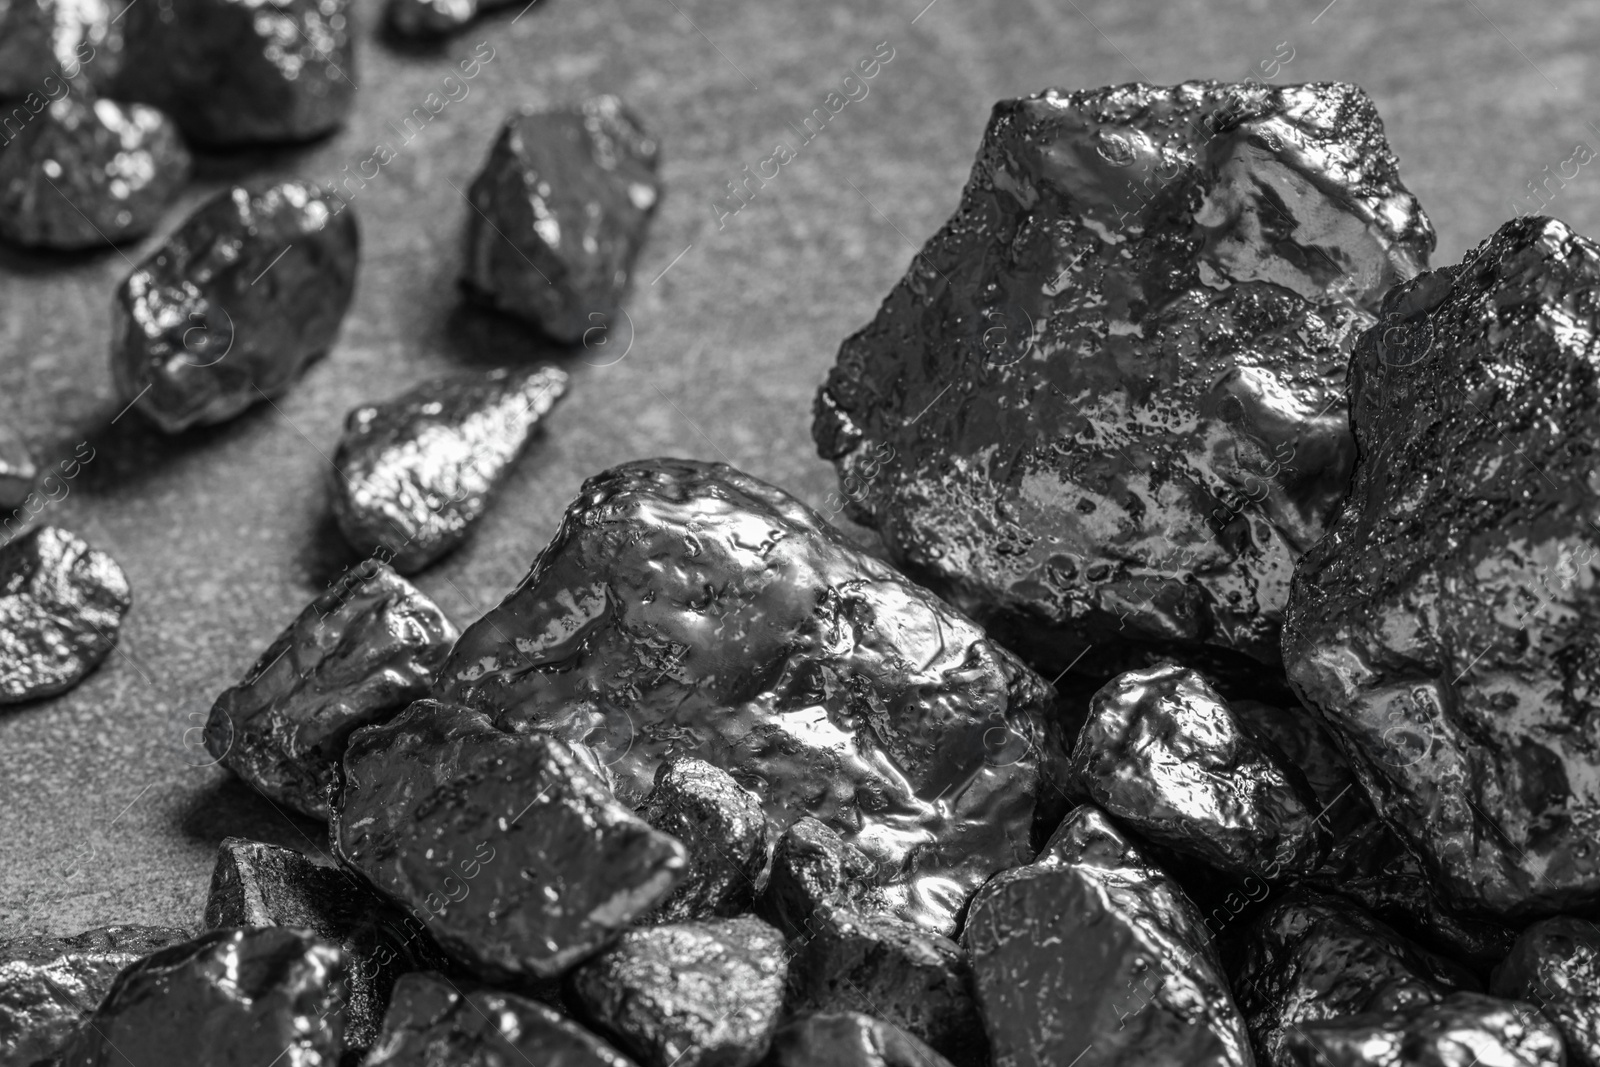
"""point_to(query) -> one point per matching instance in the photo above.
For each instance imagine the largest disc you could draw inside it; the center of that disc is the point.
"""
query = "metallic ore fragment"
(250, 289)
(81, 175)
(271, 996)
(1556, 965)
(904, 975)
(413, 474)
(849, 1039)
(427, 19)
(61, 604)
(546, 867)
(1104, 405)
(561, 208)
(1444, 628)
(233, 73)
(1463, 1030)
(355, 656)
(813, 868)
(685, 608)
(435, 1022)
(1091, 956)
(698, 994)
(1165, 756)
(721, 825)
(257, 884)
(1312, 957)
(18, 471)
(48, 985)
(46, 45)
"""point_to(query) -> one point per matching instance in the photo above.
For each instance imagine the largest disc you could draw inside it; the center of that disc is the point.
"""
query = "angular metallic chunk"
(61, 605)
(234, 73)
(248, 291)
(721, 825)
(849, 1039)
(696, 994)
(898, 972)
(508, 846)
(411, 475)
(1092, 956)
(49, 46)
(1444, 626)
(813, 869)
(434, 1021)
(1463, 1030)
(49, 985)
(685, 608)
(1312, 957)
(1164, 755)
(561, 209)
(1103, 408)
(257, 884)
(267, 996)
(81, 175)
(1556, 965)
(357, 655)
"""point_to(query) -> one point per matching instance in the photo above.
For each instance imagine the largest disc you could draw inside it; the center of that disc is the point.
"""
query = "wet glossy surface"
(256, 884)
(1140, 983)
(1556, 965)
(508, 847)
(1313, 957)
(1464, 1030)
(1164, 755)
(849, 1039)
(562, 204)
(231, 998)
(48, 985)
(411, 475)
(1444, 626)
(849, 961)
(357, 655)
(61, 605)
(685, 608)
(229, 311)
(1104, 405)
(81, 175)
(241, 72)
(724, 830)
(436, 1022)
(47, 44)
(700, 994)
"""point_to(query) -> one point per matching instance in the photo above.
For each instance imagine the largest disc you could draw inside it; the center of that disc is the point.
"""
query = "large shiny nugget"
(559, 213)
(1105, 405)
(686, 608)
(248, 291)
(1444, 628)
(509, 846)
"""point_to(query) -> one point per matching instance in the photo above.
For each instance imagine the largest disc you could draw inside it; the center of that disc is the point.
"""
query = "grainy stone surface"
(436, 1022)
(1141, 314)
(1142, 983)
(722, 826)
(61, 606)
(225, 536)
(235, 74)
(231, 308)
(1443, 626)
(686, 608)
(1555, 964)
(273, 995)
(510, 847)
(413, 474)
(85, 174)
(848, 1039)
(697, 994)
(561, 209)
(49, 985)
(355, 656)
